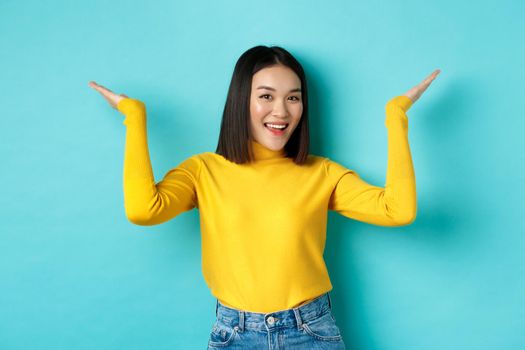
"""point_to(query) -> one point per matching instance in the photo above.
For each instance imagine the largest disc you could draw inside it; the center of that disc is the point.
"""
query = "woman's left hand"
(418, 90)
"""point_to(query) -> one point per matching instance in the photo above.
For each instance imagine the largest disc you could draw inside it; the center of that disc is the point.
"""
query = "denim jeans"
(309, 326)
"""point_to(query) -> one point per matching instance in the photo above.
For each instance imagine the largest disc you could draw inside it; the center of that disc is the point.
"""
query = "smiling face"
(276, 100)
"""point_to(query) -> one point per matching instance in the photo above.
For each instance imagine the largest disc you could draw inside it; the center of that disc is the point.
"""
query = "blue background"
(75, 274)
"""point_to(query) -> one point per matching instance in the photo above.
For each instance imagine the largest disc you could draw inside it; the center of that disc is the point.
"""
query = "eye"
(263, 96)
(295, 97)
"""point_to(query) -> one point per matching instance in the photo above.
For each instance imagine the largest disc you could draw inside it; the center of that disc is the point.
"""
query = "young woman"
(263, 202)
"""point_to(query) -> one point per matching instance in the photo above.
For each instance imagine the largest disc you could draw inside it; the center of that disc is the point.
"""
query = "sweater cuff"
(127, 105)
(403, 102)
(396, 110)
(132, 109)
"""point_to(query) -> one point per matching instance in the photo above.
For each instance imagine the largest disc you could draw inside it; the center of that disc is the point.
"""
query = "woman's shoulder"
(209, 156)
(336, 168)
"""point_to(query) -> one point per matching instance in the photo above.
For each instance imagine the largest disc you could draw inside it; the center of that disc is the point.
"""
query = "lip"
(276, 132)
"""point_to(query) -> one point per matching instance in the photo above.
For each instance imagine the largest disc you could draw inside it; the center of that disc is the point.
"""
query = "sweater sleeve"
(393, 205)
(146, 202)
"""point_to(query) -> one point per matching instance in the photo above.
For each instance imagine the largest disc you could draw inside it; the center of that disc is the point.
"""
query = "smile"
(276, 129)
(276, 126)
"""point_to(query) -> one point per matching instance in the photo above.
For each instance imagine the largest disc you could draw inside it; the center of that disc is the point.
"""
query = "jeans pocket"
(222, 335)
(323, 328)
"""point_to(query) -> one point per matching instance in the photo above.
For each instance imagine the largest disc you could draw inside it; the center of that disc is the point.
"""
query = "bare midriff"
(300, 304)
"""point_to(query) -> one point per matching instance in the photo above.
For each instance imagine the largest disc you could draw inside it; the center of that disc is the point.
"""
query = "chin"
(275, 146)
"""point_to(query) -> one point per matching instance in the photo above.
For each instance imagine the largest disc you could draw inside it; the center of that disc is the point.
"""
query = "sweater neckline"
(261, 152)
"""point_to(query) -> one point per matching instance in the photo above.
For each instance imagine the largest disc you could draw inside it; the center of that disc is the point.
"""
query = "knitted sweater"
(263, 223)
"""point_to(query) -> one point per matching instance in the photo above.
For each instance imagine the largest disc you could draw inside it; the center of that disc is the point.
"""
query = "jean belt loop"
(329, 301)
(216, 307)
(241, 320)
(298, 318)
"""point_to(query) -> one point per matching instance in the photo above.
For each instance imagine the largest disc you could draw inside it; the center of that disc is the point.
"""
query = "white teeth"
(276, 126)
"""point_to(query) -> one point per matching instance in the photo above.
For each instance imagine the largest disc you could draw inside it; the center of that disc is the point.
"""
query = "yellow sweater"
(263, 224)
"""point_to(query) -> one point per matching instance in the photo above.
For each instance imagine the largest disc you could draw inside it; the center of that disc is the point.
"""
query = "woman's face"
(275, 99)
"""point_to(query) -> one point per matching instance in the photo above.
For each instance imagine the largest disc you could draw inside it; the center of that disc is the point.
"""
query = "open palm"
(109, 95)
(415, 92)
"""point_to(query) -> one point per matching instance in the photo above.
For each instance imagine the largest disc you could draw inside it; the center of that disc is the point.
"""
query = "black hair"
(235, 134)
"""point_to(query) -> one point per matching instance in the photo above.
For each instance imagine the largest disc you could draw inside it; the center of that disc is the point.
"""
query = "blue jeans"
(310, 326)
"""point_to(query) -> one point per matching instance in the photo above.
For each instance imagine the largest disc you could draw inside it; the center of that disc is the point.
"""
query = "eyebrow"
(272, 89)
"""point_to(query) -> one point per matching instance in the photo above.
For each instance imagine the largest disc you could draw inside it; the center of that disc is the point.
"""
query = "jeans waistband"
(293, 317)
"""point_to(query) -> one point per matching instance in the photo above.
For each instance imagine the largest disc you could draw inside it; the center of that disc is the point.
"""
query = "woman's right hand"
(109, 95)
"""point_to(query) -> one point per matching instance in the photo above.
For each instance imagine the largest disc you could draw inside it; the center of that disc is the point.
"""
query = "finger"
(431, 77)
(103, 90)
(96, 86)
(419, 89)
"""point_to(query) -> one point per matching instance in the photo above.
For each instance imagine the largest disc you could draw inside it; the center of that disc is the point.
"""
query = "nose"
(279, 109)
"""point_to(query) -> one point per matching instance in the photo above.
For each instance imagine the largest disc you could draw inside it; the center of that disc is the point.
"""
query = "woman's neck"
(261, 152)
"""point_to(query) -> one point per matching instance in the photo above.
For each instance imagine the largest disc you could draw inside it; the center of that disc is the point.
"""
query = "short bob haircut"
(234, 139)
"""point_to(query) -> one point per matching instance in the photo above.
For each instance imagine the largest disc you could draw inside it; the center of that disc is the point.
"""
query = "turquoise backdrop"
(76, 274)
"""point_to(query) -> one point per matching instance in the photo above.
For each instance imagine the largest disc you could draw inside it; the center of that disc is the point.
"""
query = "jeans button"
(271, 320)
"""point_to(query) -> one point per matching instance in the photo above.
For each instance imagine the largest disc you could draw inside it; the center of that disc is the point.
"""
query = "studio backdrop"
(76, 274)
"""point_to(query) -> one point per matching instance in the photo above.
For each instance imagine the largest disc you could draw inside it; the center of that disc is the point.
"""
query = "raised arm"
(148, 203)
(145, 202)
(393, 205)
(396, 203)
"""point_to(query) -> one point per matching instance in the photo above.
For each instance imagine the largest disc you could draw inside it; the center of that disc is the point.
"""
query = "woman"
(263, 202)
